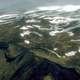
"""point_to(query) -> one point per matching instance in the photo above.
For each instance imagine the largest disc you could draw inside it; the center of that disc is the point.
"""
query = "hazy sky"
(28, 4)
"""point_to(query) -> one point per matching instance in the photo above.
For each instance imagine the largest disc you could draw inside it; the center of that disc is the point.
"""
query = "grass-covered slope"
(29, 52)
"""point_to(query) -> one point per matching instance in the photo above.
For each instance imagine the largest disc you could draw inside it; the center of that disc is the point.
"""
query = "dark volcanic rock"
(56, 70)
(37, 70)
(4, 46)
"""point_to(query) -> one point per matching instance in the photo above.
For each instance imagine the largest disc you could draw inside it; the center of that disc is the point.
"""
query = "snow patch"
(25, 33)
(78, 40)
(55, 49)
(70, 33)
(29, 12)
(70, 8)
(29, 26)
(37, 26)
(48, 8)
(24, 28)
(40, 35)
(53, 33)
(79, 50)
(66, 8)
(32, 21)
(27, 41)
(61, 20)
(71, 53)
(6, 16)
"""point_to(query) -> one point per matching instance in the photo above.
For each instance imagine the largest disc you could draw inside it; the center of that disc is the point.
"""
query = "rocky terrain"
(43, 44)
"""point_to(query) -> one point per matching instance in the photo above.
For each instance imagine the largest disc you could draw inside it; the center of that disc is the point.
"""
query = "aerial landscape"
(39, 40)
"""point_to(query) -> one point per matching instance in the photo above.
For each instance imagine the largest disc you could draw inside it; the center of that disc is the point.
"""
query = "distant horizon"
(23, 5)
